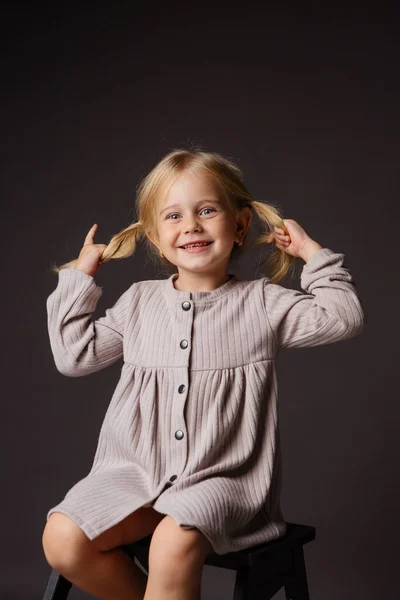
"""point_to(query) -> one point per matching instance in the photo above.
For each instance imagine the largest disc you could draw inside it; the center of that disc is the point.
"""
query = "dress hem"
(219, 545)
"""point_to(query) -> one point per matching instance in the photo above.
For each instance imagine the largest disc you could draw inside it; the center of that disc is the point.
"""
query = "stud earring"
(161, 254)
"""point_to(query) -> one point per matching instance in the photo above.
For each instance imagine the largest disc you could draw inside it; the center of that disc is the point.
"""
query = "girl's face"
(193, 210)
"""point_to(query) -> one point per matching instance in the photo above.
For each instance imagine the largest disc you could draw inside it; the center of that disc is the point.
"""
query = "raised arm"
(81, 345)
(328, 312)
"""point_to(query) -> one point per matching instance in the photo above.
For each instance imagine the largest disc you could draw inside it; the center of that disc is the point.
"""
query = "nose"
(190, 224)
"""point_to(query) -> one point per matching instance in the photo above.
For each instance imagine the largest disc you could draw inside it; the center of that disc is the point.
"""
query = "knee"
(64, 544)
(176, 554)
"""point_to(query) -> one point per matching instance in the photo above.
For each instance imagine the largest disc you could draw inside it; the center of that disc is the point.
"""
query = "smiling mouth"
(196, 249)
(195, 246)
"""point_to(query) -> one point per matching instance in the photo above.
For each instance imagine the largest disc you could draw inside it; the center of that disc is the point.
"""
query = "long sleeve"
(328, 312)
(81, 345)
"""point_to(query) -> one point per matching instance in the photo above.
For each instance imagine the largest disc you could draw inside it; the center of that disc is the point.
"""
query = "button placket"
(179, 434)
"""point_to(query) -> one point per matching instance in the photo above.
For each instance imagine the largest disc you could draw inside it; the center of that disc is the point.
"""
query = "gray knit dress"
(192, 427)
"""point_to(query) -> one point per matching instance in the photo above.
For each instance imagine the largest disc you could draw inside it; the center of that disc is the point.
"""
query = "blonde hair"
(229, 179)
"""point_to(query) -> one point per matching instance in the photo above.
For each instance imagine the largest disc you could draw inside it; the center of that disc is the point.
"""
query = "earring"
(161, 254)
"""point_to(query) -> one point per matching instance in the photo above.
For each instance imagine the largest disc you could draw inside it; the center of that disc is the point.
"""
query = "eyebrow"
(213, 200)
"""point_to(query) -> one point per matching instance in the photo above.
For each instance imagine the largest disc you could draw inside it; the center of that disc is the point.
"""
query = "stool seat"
(261, 571)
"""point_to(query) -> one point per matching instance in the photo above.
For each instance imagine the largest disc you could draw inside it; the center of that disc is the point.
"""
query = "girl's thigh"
(134, 527)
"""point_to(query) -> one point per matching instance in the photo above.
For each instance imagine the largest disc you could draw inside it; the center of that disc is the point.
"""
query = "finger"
(273, 238)
(90, 235)
(283, 238)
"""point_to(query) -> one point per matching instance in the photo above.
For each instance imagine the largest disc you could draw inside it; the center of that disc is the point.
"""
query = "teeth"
(197, 245)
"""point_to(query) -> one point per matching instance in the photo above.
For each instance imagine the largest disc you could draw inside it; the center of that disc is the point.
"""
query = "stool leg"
(296, 586)
(257, 583)
(57, 587)
(242, 585)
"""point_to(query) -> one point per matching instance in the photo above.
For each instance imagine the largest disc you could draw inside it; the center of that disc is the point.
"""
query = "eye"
(171, 215)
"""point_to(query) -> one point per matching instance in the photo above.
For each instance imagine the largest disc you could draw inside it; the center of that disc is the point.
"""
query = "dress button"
(186, 305)
(181, 388)
(173, 477)
(179, 434)
(184, 344)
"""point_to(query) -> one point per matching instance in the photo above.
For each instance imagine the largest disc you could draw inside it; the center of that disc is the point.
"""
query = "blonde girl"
(189, 447)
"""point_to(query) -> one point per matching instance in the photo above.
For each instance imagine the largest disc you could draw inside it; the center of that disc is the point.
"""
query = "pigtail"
(121, 245)
(279, 263)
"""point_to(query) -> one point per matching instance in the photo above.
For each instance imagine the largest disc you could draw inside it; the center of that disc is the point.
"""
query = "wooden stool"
(261, 571)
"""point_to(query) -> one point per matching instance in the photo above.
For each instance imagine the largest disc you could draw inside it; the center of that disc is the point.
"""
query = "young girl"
(189, 447)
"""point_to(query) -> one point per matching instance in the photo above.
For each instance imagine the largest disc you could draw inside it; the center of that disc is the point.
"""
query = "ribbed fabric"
(192, 426)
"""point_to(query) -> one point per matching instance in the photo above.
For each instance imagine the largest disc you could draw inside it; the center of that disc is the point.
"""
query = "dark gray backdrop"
(306, 102)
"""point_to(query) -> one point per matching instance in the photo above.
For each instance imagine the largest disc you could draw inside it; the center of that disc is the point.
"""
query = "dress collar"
(179, 295)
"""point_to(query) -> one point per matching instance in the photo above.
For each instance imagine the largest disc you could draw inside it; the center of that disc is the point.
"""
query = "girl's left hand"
(293, 240)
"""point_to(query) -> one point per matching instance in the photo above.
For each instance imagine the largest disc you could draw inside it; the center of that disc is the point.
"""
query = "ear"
(153, 237)
(244, 221)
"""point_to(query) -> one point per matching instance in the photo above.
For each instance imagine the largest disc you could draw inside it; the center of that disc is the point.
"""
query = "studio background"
(306, 102)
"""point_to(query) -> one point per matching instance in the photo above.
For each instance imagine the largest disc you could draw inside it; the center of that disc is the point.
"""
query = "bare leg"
(176, 560)
(110, 575)
(100, 567)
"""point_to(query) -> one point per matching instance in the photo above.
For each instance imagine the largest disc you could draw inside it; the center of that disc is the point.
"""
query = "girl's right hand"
(89, 256)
